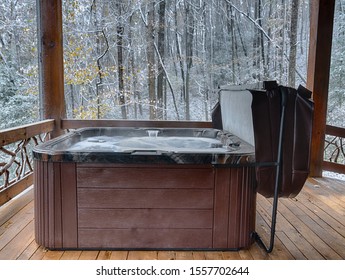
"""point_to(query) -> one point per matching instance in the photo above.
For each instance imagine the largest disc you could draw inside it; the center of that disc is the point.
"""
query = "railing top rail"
(14, 134)
(335, 131)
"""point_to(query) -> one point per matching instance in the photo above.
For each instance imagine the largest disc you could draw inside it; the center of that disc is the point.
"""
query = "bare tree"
(150, 50)
(293, 42)
(189, 35)
(120, 63)
(161, 49)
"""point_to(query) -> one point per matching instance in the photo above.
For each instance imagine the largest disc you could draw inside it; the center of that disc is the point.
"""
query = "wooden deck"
(310, 226)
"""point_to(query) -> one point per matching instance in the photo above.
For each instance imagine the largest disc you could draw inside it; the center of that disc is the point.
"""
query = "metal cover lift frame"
(276, 177)
(277, 185)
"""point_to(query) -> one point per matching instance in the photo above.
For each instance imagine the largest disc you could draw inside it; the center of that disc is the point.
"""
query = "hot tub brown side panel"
(55, 204)
(235, 208)
(116, 206)
(157, 206)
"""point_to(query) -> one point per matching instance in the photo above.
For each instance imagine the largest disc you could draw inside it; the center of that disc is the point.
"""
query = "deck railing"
(16, 166)
(334, 153)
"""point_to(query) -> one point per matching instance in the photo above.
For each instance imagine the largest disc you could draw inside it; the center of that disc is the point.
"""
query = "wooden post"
(51, 71)
(319, 61)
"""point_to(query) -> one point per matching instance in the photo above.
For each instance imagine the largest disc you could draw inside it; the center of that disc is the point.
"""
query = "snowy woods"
(160, 59)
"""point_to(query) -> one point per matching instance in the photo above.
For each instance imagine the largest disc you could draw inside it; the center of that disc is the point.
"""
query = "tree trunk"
(178, 52)
(231, 32)
(151, 61)
(293, 42)
(161, 50)
(120, 64)
(121, 71)
(256, 45)
(189, 33)
(269, 43)
(99, 84)
(282, 43)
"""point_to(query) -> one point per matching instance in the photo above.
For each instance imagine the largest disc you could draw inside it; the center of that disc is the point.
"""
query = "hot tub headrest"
(253, 113)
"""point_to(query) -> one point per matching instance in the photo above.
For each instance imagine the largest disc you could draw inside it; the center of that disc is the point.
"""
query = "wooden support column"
(319, 61)
(51, 71)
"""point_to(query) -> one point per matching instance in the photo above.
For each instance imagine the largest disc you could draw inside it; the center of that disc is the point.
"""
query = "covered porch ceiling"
(52, 68)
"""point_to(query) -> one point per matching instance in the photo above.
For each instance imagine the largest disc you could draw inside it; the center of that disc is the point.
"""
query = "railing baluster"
(334, 151)
(15, 155)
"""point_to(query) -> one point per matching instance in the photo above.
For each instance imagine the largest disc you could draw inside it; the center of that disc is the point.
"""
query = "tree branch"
(265, 34)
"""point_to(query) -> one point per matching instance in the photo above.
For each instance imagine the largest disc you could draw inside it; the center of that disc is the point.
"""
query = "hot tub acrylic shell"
(85, 202)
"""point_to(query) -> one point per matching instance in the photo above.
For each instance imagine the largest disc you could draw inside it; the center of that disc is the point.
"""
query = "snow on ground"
(333, 175)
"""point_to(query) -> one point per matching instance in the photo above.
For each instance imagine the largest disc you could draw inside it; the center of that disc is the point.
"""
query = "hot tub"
(145, 188)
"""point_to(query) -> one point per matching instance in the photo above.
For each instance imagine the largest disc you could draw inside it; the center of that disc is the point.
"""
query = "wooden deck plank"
(14, 205)
(216, 255)
(323, 217)
(142, 255)
(29, 251)
(199, 255)
(329, 236)
(231, 255)
(166, 255)
(53, 255)
(327, 198)
(10, 229)
(119, 255)
(334, 186)
(290, 246)
(245, 255)
(310, 226)
(328, 207)
(280, 251)
(18, 244)
(104, 255)
(39, 253)
(88, 255)
(71, 255)
(184, 255)
(292, 227)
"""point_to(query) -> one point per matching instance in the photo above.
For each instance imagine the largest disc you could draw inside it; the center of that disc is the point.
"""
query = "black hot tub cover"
(296, 141)
(260, 109)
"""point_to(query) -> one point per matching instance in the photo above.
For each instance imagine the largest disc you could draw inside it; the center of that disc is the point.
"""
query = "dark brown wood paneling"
(38, 175)
(248, 208)
(145, 218)
(145, 198)
(48, 227)
(57, 204)
(221, 208)
(142, 177)
(145, 238)
(69, 205)
(234, 207)
(52, 202)
(173, 211)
